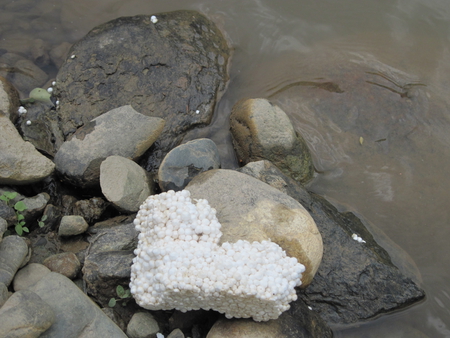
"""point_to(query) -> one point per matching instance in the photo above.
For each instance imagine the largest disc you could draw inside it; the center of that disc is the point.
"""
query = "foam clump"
(180, 265)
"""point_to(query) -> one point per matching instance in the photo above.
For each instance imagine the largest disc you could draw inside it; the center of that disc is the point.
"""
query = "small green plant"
(124, 296)
(18, 208)
(41, 221)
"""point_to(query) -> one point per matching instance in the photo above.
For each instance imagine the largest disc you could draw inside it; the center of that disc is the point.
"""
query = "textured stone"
(4, 294)
(3, 227)
(186, 161)
(177, 333)
(72, 225)
(9, 99)
(65, 263)
(170, 69)
(13, 252)
(124, 183)
(104, 271)
(251, 210)
(76, 314)
(20, 162)
(25, 315)
(142, 325)
(261, 130)
(121, 131)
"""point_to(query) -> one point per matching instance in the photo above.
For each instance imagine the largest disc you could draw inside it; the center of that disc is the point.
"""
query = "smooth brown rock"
(66, 263)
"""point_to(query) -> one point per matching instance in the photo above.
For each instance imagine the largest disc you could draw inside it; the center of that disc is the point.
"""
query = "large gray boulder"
(76, 314)
(251, 210)
(20, 162)
(121, 131)
(355, 281)
(174, 69)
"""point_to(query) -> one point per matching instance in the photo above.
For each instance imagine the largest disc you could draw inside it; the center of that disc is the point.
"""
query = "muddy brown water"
(397, 179)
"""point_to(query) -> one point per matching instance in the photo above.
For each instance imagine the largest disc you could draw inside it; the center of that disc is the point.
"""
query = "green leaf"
(127, 294)
(41, 224)
(10, 195)
(44, 218)
(40, 94)
(25, 229)
(112, 302)
(120, 291)
(4, 198)
(21, 223)
(20, 206)
(18, 229)
(20, 217)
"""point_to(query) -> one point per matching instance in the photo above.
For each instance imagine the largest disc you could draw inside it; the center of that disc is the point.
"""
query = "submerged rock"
(173, 69)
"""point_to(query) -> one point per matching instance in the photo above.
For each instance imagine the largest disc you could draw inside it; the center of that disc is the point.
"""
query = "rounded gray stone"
(186, 161)
(13, 252)
(20, 162)
(261, 130)
(76, 314)
(142, 325)
(124, 183)
(72, 225)
(121, 131)
(25, 314)
(29, 275)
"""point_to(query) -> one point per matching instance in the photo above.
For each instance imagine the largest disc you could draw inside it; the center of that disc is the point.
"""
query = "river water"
(393, 171)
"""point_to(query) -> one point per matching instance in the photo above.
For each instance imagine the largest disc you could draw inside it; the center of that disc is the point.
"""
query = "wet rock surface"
(355, 281)
(261, 130)
(170, 69)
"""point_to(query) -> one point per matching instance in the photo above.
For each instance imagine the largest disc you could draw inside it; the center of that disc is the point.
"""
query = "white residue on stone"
(154, 19)
(73, 56)
(54, 83)
(309, 307)
(22, 110)
(197, 111)
(28, 123)
(159, 335)
(50, 90)
(358, 239)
